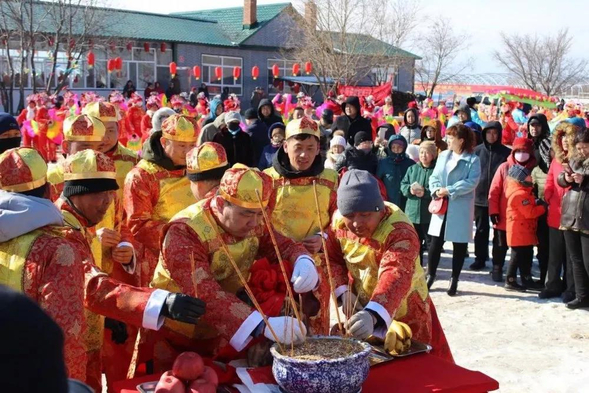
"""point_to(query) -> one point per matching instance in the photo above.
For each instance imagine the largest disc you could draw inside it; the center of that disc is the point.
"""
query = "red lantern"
(275, 71)
(308, 67)
(72, 43)
(110, 65)
(163, 47)
(196, 72)
(236, 72)
(218, 73)
(129, 45)
(146, 46)
(255, 72)
(119, 63)
(173, 69)
(296, 68)
(50, 42)
(90, 59)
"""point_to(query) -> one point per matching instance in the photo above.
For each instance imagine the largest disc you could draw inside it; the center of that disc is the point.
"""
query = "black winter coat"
(351, 126)
(575, 203)
(239, 147)
(490, 156)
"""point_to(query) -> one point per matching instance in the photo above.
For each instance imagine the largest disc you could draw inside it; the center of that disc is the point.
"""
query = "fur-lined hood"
(563, 128)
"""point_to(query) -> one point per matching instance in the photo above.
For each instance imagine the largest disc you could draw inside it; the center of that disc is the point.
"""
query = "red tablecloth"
(415, 374)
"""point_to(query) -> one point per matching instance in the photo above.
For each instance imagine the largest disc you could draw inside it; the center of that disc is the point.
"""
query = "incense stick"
(280, 261)
(243, 281)
(329, 276)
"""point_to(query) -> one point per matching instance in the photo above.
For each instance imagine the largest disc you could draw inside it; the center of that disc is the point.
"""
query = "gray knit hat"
(518, 172)
(358, 192)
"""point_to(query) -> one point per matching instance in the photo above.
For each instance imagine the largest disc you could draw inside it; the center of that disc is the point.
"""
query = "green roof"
(231, 19)
(364, 44)
(142, 26)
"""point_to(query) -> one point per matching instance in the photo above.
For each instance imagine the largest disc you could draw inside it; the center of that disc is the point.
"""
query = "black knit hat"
(88, 186)
(361, 136)
(251, 114)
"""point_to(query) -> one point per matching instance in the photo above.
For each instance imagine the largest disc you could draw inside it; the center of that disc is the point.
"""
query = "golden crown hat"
(180, 128)
(206, 157)
(239, 185)
(22, 169)
(83, 128)
(303, 125)
(105, 111)
(89, 164)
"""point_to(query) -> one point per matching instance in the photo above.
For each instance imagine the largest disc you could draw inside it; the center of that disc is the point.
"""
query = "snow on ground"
(525, 343)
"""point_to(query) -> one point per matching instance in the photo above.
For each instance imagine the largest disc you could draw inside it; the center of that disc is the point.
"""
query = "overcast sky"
(483, 19)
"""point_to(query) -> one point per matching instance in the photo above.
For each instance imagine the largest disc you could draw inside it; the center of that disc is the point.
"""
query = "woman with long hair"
(455, 177)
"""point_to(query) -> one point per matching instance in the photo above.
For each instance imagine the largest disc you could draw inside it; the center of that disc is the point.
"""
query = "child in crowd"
(392, 169)
(276, 132)
(522, 222)
(337, 145)
(415, 187)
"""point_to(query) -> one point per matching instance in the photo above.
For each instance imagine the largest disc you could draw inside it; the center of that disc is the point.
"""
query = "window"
(285, 67)
(138, 65)
(216, 86)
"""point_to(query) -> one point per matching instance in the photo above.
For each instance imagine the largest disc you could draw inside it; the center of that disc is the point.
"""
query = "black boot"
(430, 281)
(512, 285)
(568, 297)
(478, 265)
(532, 285)
(453, 287)
(578, 303)
(497, 273)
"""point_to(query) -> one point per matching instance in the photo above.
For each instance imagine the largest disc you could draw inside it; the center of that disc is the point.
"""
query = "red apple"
(201, 386)
(210, 376)
(188, 366)
(169, 384)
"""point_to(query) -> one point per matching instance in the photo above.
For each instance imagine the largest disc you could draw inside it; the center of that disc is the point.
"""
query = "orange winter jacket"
(522, 215)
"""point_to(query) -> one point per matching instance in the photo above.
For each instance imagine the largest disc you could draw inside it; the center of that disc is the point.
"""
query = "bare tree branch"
(440, 47)
(541, 63)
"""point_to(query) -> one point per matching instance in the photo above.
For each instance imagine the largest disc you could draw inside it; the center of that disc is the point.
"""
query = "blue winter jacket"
(391, 171)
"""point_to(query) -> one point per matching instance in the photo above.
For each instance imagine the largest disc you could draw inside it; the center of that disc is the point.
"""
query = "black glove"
(495, 219)
(183, 308)
(541, 202)
(118, 330)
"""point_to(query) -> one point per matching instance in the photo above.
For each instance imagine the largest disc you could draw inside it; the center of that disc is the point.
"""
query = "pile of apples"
(189, 375)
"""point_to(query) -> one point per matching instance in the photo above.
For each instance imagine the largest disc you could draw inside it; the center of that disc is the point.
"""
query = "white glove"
(304, 275)
(361, 325)
(287, 330)
(347, 300)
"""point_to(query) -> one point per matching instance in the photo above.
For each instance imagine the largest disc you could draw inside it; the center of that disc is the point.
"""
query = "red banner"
(378, 92)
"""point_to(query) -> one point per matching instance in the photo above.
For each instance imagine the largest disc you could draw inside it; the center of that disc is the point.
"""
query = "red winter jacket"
(522, 215)
(553, 194)
(497, 191)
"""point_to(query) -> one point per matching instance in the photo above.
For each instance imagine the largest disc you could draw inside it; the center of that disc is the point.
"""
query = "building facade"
(253, 35)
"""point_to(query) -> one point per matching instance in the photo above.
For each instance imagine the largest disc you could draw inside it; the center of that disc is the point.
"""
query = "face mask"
(277, 142)
(9, 143)
(366, 150)
(234, 128)
(397, 156)
(521, 156)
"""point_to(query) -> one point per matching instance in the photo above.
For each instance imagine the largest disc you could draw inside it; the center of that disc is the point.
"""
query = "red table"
(422, 373)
